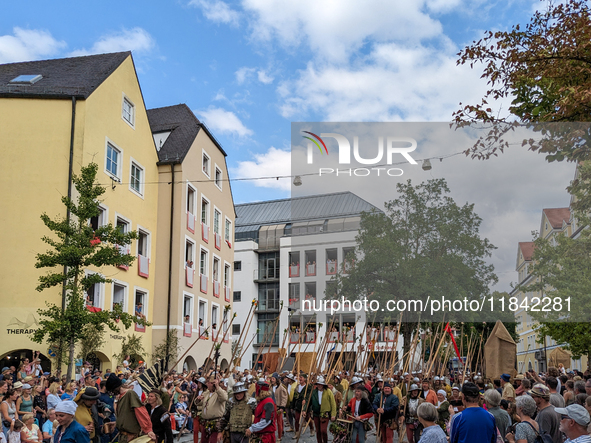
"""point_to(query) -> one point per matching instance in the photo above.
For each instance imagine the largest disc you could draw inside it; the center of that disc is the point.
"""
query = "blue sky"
(248, 68)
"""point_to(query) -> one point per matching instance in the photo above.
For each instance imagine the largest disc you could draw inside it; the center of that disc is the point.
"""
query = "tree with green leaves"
(75, 247)
(545, 68)
(424, 245)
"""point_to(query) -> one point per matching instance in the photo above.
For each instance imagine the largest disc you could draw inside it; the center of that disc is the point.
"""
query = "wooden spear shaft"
(188, 349)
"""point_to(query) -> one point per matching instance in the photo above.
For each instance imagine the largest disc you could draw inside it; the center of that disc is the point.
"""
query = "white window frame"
(137, 164)
(216, 320)
(149, 241)
(195, 195)
(101, 290)
(208, 213)
(105, 218)
(221, 217)
(203, 169)
(229, 285)
(129, 226)
(218, 258)
(190, 240)
(226, 234)
(206, 315)
(145, 303)
(192, 309)
(215, 181)
(128, 100)
(114, 145)
(202, 249)
(125, 307)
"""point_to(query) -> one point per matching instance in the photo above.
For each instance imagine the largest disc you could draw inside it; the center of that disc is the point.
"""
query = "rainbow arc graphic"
(315, 142)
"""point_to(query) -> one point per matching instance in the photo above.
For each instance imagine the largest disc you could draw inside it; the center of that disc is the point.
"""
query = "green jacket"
(328, 404)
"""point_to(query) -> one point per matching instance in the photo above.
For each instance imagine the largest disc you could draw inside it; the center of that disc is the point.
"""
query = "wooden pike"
(188, 349)
(242, 332)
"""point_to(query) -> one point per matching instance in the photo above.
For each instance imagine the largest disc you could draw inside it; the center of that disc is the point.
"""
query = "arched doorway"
(16, 357)
(97, 359)
(189, 364)
(224, 364)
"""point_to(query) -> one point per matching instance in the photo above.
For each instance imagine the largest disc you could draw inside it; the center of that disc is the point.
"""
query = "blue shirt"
(48, 427)
(433, 434)
(473, 425)
(74, 433)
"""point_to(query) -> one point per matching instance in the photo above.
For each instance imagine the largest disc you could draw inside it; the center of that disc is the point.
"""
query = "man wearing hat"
(69, 430)
(280, 398)
(237, 417)
(87, 413)
(290, 383)
(264, 414)
(132, 416)
(213, 402)
(301, 394)
(427, 393)
(508, 389)
(408, 412)
(351, 391)
(323, 407)
(547, 417)
(574, 422)
(473, 424)
(385, 405)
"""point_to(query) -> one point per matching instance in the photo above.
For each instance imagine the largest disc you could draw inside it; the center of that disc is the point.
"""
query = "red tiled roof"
(527, 249)
(556, 216)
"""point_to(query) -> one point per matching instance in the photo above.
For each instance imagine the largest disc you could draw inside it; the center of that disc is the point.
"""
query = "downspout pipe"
(70, 174)
(170, 243)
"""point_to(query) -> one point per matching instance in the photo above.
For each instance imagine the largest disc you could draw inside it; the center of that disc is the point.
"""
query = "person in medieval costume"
(237, 417)
(265, 414)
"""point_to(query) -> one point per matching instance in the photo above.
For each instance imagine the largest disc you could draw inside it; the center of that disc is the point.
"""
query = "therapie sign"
(388, 150)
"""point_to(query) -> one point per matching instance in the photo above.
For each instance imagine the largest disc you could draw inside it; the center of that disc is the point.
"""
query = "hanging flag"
(448, 330)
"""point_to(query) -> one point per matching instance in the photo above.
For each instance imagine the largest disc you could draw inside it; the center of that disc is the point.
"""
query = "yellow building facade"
(92, 109)
(531, 354)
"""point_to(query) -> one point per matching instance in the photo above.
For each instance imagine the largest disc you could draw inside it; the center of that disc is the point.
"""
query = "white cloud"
(335, 30)
(28, 44)
(394, 83)
(222, 121)
(136, 40)
(217, 11)
(275, 162)
(264, 77)
(243, 74)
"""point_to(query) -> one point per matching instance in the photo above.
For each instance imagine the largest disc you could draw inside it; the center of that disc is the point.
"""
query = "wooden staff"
(248, 346)
(283, 357)
(242, 332)
(188, 349)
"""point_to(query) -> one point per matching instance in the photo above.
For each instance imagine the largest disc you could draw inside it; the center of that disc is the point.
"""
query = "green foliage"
(76, 246)
(173, 348)
(92, 341)
(545, 67)
(424, 245)
(132, 346)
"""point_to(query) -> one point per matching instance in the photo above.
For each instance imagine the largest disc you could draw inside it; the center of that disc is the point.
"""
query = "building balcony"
(294, 270)
(227, 293)
(294, 303)
(191, 222)
(189, 276)
(216, 288)
(205, 232)
(218, 241)
(306, 337)
(331, 267)
(123, 250)
(187, 329)
(203, 283)
(312, 302)
(310, 269)
(265, 275)
(143, 269)
(140, 328)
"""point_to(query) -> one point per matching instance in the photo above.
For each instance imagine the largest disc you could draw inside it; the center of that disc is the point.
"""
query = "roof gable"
(527, 249)
(556, 216)
(183, 128)
(61, 78)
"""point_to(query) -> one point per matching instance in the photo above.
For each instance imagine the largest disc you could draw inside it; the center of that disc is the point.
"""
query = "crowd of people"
(267, 407)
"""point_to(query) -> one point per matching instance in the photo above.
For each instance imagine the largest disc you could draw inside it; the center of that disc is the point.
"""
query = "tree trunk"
(71, 360)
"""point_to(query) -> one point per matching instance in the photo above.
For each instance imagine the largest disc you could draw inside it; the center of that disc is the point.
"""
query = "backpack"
(541, 438)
